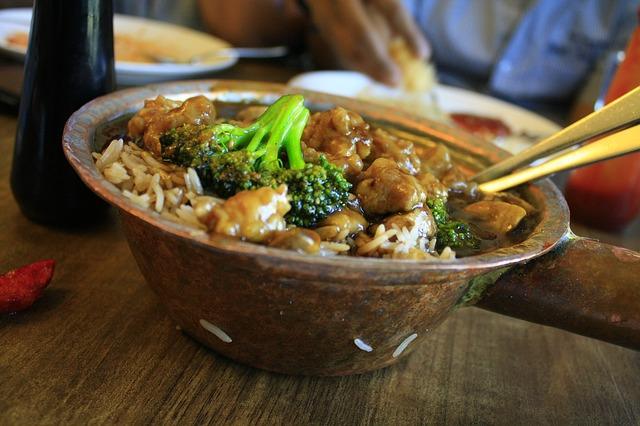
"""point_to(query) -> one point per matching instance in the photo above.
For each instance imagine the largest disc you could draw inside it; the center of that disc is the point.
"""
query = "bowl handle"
(582, 286)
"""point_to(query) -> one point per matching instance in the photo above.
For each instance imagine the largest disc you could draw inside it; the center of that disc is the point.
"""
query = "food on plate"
(127, 47)
(416, 92)
(21, 287)
(322, 183)
(131, 48)
(487, 127)
(417, 75)
(19, 38)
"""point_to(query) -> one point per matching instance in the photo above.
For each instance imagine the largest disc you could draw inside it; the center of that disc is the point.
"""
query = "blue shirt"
(526, 49)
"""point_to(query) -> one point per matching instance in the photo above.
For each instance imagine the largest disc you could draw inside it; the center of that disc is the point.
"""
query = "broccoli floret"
(315, 192)
(457, 235)
(438, 210)
(190, 144)
(232, 172)
(230, 159)
(252, 160)
(452, 233)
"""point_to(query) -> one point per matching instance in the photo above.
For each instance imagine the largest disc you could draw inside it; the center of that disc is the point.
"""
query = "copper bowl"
(299, 314)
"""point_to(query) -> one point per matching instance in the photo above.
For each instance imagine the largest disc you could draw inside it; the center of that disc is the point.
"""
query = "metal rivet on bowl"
(362, 345)
(215, 330)
(402, 346)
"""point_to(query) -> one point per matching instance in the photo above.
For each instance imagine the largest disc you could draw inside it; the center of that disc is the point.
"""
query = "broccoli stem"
(256, 140)
(292, 140)
(282, 125)
(254, 133)
(276, 122)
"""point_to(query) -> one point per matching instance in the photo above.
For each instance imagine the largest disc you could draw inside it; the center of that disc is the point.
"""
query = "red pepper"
(607, 195)
(21, 287)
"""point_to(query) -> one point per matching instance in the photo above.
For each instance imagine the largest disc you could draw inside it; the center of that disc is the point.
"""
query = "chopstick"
(617, 144)
(622, 113)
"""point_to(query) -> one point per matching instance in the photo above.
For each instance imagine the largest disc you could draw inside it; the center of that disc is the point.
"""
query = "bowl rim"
(77, 146)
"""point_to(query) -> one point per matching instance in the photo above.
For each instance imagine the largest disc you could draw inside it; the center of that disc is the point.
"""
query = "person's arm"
(359, 33)
(254, 22)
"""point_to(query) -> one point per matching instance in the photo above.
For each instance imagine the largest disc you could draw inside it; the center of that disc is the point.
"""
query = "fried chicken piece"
(509, 198)
(384, 189)
(420, 221)
(251, 215)
(161, 114)
(342, 135)
(386, 145)
(301, 240)
(152, 108)
(495, 216)
(432, 186)
(436, 160)
(341, 224)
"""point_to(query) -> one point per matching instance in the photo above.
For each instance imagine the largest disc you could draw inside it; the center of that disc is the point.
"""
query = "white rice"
(171, 191)
(116, 173)
(398, 242)
(380, 237)
(330, 248)
(110, 155)
(158, 192)
(195, 181)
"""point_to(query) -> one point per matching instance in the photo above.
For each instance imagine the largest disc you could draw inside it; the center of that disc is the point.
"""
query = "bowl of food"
(305, 233)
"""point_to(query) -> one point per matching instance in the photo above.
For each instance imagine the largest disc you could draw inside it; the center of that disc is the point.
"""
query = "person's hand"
(359, 31)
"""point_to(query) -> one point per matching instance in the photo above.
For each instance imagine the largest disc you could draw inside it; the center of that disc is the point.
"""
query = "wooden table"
(99, 348)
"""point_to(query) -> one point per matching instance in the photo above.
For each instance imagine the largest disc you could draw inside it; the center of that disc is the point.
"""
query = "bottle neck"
(72, 41)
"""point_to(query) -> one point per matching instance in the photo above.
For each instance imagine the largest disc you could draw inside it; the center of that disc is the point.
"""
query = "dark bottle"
(69, 62)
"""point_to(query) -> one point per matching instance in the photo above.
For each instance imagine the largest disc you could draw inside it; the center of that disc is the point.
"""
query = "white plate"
(176, 41)
(448, 99)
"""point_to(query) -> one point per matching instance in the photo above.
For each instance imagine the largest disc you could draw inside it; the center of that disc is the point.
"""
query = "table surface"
(99, 347)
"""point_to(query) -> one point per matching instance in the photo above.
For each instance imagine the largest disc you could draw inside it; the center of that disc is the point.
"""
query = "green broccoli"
(457, 235)
(438, 210)
(232, 172)
(189, 144)
(315, 192)
(230, 159)
(452, 233)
